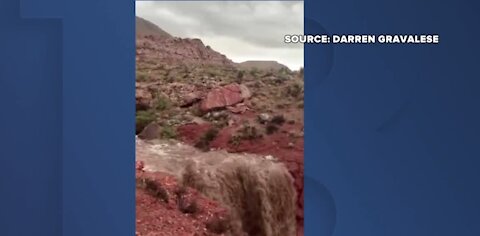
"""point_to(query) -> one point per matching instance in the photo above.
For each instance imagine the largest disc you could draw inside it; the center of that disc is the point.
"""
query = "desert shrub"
(204, 142)
(143, 118)
(300, 105)
(185, 206)
(249, 132)
(240, 74)
(234, 140)
(278, 120)
(218, 225)
(162, 103)
(188, 207)
(154, 189)
(211, 134)
(294, 90)
(168, 132)
(141, 76)
(271, 128)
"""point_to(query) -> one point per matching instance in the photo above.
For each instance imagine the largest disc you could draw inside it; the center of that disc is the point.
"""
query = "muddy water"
(258, 191)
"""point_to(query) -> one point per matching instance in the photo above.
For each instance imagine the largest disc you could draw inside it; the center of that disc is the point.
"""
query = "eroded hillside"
(186, 91)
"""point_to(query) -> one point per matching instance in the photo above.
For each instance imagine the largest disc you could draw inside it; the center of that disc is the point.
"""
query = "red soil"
(276, 145)
(155, 217)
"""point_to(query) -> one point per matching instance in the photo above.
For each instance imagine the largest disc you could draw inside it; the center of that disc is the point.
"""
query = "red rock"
(157, 218)
(222, 97)
(238, 109)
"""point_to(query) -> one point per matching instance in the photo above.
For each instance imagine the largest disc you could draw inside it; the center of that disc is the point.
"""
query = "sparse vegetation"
(186, 207)
(204, 142)
(168, 132)
(271, 128)
(240, 75)
(246, 195)
(247, 132)
(294, 90)
(162, 103)
(141, 76)
(278, 120)
(234, 140)
(153, 188)
(143, 118)
(218, 225)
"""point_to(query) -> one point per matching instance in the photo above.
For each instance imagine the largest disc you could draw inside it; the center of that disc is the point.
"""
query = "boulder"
(151, 131)
(222, 97)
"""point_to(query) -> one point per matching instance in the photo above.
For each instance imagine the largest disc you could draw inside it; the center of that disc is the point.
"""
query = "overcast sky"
(246, 30)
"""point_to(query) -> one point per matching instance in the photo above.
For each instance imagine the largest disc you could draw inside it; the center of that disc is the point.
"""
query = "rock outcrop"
(225, 96)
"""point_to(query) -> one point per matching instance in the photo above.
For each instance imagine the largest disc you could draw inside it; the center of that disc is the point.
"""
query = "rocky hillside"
(188, 92)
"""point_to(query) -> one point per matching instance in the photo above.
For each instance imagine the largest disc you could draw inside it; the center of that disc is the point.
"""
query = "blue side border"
(392, 131)
(67, 100)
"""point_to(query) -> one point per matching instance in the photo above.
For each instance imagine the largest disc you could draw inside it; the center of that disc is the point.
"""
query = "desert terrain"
(219, 144)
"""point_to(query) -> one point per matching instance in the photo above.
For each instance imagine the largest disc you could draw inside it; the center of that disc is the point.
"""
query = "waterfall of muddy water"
(258, 191)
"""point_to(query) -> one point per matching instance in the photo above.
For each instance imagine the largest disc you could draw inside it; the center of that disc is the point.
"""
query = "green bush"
(162, 103)
(141, 76)
(249, 133)
(153, 188)
(204, 142)
(294, 90)
(143, 118)
(271, 128)
(168, 132)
